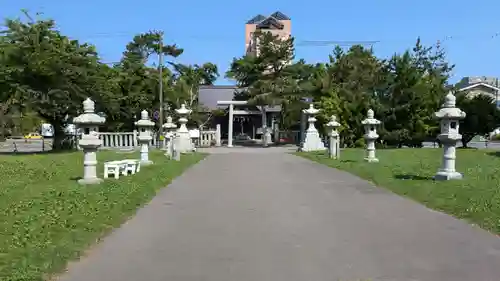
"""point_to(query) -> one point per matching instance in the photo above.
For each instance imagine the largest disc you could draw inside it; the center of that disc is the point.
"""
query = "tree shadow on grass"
(36, 152)
(75, 178)
(495, 153)
(412, 177)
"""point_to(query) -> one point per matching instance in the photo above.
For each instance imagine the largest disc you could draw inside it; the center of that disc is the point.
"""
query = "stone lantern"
(312, 141)
(169, 129)
(145, 136)
(333, 135)
(371, 135)
(449, 116)
(89, 123)
(183, 142)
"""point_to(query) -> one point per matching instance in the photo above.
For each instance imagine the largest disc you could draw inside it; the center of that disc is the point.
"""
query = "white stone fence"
(111, 140)
(128, 140)
(206, 138)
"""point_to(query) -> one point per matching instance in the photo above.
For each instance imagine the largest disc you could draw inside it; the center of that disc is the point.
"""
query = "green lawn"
(409, 172)
(46, 218)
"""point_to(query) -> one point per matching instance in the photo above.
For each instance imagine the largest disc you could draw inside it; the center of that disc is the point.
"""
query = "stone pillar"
(266, 135)
(370, 124)
(169, 131)
(184, 142)
(217, 135)
(312, 141)
(89, 123)
(230, 127)
(176, 154)
(145, 125)
(333, 135)
(449, 116)
(276, 130)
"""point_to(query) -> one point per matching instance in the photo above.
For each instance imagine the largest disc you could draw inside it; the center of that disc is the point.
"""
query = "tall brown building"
(277, 23)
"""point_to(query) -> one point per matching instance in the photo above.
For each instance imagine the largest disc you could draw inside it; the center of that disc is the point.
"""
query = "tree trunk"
(464, 143)
(60, 140)
(466, 138)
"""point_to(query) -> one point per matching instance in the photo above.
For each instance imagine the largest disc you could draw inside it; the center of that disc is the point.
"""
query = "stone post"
(230, 127)
(333, 135)
(371, 135)
(218, 135)
(312, 141)
(184, 142)
(176, 154)
(145, 125)
(449, 116)
(169, 130)
(89, 123)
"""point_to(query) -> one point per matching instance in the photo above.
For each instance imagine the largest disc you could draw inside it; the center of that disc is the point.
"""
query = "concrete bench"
(115, 168)
(123, 167)
(133, 166)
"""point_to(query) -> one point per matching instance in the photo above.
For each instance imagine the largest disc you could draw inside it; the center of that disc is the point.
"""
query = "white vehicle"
(47, 130)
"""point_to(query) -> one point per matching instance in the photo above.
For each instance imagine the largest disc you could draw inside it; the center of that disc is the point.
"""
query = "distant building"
(480, 85)
(277, 23)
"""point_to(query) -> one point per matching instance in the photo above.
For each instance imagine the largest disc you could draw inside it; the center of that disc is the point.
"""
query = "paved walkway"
(271, 216)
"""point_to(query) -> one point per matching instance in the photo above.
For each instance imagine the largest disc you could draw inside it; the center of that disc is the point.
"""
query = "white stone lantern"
(449, 116)
(169, 129)
(312, 140)
(333, 135)
(183, 142)
(370, 124)
(145, 136)
(89, 123)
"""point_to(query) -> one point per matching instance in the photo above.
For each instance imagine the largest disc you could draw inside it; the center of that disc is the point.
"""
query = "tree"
(482, 116)
(267, 76)
(416, 84)
(52, 73)
(346, 87)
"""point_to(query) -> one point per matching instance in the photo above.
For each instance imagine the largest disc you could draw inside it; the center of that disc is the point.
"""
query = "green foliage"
(47, 74)
(404, 91)
(47, 218)
(482, 116)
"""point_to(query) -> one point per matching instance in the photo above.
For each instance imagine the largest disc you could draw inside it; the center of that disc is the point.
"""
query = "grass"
(409, 172)
(47, 219)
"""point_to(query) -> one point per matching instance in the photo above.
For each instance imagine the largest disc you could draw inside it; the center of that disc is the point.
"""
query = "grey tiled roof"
(270, 21)
(280, 16)
(209, 95)
(256, 19)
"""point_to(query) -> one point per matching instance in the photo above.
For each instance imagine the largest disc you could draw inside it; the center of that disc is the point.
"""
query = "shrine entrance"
(268, 127)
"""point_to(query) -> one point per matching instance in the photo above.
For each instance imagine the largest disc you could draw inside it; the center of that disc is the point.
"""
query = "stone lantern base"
(90, 181)
(445, 176)
(371, 160)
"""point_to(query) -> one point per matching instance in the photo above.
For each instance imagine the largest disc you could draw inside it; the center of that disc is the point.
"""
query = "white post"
(217, 135)
(134, 138)
(230, 127)
(264, 126)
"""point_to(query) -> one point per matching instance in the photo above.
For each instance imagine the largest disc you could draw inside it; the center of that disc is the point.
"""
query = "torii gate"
(266, 134)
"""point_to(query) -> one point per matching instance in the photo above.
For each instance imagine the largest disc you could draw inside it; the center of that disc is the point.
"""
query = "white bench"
(123, 167)
(133, 166)
(115, 168)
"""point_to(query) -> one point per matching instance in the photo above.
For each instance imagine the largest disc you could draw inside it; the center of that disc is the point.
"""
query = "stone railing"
(206, 139)
(118, 140)
(128, 140)
(209, 138)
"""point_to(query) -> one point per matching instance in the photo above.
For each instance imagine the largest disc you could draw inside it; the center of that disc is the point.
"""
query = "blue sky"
(213, 31)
